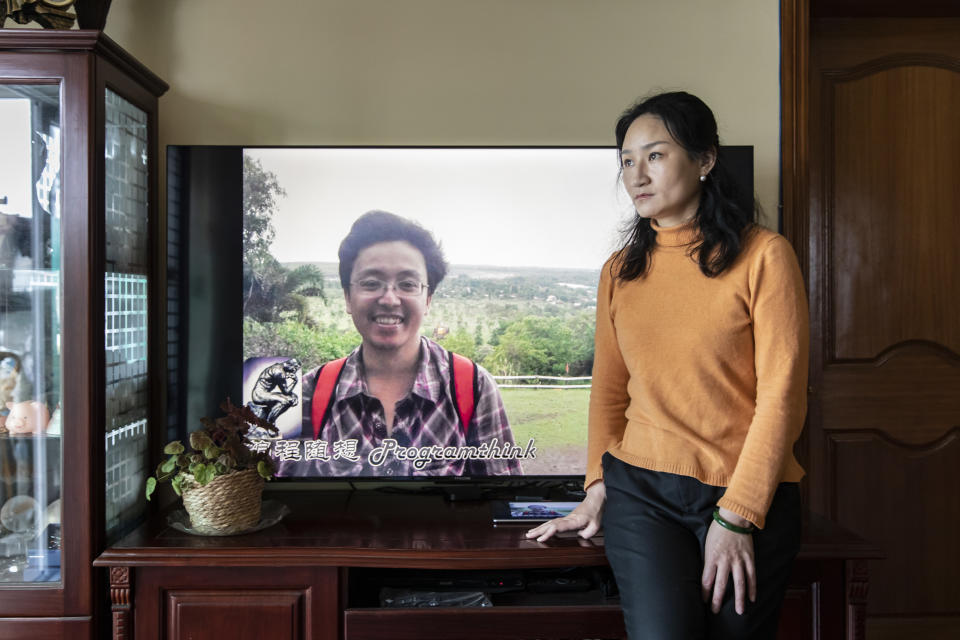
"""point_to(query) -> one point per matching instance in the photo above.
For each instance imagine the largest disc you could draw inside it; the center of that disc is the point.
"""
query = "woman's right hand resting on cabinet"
(585, 518)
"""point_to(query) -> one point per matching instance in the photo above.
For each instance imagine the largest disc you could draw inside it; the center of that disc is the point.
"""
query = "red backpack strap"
(463, 385)
(327, 378)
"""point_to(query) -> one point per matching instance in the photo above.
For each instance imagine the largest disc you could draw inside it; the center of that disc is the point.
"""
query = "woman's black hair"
(375, 227)
(721, 222)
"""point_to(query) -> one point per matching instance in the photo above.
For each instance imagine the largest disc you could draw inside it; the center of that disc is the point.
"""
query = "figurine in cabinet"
(27, 418)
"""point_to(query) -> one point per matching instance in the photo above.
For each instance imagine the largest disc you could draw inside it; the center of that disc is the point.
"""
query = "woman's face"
(660, 177)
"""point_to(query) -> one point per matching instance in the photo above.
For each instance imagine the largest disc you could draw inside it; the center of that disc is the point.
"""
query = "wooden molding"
(81, 40)
(794, 91)
(120, 604)
(858, 588)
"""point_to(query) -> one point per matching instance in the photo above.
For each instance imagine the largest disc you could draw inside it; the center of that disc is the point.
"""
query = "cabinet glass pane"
(30, 313)
(126, 200)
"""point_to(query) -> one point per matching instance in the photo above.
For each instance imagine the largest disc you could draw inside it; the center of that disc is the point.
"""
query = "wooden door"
(882, 446)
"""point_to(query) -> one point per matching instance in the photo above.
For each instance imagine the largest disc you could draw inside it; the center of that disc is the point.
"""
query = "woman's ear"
(707, 160)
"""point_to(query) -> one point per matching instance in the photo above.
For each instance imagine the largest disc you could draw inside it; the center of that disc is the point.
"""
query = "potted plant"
(220, 478)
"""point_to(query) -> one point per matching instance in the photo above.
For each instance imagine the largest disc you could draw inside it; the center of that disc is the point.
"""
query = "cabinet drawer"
(455, 623)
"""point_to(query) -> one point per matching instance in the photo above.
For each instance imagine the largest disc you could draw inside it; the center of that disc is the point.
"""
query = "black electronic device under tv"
(524, 229)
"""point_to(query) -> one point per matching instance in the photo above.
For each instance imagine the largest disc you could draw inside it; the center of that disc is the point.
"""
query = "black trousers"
(654, 528)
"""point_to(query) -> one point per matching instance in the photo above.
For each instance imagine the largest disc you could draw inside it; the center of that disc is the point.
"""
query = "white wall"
(447, 72)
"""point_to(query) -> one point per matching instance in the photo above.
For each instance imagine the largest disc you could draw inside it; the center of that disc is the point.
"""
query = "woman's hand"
(586, 517)
(728, 553)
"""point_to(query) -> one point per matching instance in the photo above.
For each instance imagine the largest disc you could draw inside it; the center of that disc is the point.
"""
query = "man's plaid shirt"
(425, 417)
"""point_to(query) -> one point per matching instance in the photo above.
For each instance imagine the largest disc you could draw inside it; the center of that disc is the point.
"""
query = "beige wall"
(448, 72)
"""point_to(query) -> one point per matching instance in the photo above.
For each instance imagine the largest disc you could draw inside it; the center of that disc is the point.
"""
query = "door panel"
(883, 438)
(908, 393)
(881, 487)
(254, 613)
(892, 220)
(236, 602)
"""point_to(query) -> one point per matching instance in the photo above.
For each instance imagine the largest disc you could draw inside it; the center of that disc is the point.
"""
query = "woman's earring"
(703, 178)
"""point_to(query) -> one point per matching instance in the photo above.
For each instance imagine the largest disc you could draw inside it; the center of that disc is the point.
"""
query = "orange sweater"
(704, 377)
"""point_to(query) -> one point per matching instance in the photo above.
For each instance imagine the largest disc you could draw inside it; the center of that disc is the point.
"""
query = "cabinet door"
(126, 280)
(207, 603)
(45, 372)
(77, 202)
(31, 391)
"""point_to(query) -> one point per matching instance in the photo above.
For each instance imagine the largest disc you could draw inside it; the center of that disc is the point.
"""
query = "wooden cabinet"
(315, 575)
(78, 195)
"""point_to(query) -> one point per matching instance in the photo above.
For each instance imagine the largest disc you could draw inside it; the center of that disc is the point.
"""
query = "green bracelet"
(729, 525)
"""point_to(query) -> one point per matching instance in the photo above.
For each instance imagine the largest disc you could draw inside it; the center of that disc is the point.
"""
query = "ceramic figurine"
(26, 418)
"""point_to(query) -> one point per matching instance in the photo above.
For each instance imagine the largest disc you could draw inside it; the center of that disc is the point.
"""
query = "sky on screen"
(520, 207)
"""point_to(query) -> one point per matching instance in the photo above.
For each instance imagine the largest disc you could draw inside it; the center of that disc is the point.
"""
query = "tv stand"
(317, 574)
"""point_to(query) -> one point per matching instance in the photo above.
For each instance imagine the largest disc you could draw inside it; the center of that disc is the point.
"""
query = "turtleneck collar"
(678, 236)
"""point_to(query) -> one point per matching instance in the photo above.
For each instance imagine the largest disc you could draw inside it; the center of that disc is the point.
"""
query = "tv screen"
(263, 309)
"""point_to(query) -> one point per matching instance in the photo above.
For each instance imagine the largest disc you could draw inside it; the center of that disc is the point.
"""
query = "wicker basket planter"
(226, 505)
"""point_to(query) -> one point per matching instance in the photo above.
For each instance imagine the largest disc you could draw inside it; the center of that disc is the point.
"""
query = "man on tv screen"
(400, 404)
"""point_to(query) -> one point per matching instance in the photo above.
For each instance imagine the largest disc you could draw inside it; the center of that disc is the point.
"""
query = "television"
(256, 304)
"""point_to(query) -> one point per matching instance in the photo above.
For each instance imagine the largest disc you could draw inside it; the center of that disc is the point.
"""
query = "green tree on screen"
(460, 341)
(533, 346)
(270, 289)
(260, 193)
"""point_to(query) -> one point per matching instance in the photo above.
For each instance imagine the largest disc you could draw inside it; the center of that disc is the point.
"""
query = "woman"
(698, 392)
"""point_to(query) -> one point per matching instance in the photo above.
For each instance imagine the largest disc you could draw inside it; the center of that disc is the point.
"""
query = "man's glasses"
(375, 288)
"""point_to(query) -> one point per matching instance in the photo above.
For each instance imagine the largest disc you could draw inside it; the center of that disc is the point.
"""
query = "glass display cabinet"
(78, 276)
